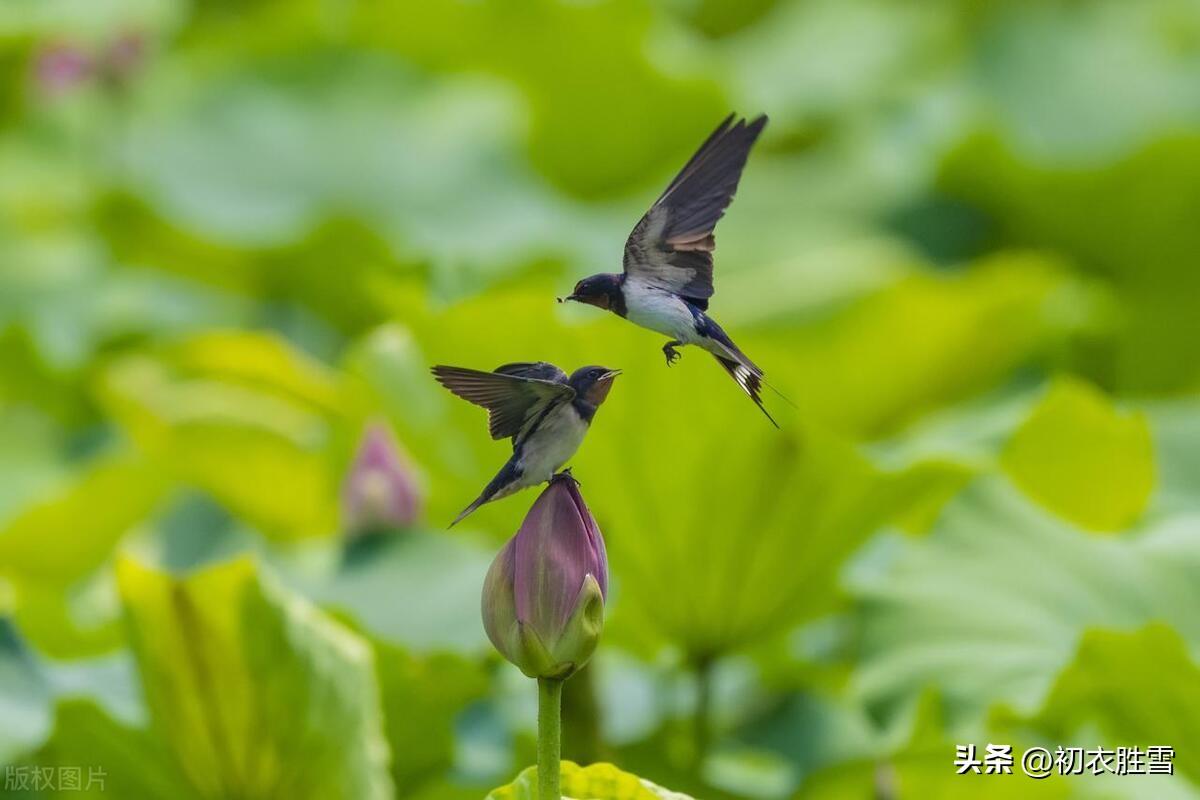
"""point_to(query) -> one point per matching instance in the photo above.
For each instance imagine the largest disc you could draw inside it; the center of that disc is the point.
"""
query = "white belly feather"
(552, 445)
(659, 311)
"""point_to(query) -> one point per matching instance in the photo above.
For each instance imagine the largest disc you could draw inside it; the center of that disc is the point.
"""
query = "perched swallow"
(668, 275)
(545, 412)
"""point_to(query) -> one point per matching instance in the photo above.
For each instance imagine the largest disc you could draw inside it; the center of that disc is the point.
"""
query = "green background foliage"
(234, 234)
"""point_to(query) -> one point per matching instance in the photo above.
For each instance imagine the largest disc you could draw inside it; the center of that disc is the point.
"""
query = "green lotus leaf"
(990, 606)
(258, 360)
(1082, 459)
(24, 696)
(1137, 247)
(61, 538)
(1176, 429)
(421, 698)
(419, 589)
(595, 782)
(1141, 687)
(95, 755)
(241, 432)
(526, 50)
(54, 552)
(76, 623)
(922, 765)
(255, 692)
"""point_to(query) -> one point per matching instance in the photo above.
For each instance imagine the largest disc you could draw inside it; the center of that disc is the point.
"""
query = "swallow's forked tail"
(750, 379)
(499, 486)
(739, 366)
(466, 512)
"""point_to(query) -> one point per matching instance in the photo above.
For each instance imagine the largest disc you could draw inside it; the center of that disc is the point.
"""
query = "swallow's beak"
(603, 385)
(568, 297)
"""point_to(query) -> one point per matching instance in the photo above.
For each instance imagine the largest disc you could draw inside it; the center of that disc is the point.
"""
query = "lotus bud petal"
(543, 599)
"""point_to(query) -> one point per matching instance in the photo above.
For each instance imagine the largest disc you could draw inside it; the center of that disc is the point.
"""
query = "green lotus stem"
(549, 745)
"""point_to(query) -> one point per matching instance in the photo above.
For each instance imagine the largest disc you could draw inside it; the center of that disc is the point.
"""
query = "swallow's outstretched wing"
(671, 247)
(515, 395)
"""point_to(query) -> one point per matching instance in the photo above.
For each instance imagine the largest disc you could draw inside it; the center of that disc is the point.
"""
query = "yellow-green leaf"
(262, 453)
(1081, 458)
(62, 538)
(258, 360)
(256, 692)
(109, 757)
(1141, 688)
(595, 782)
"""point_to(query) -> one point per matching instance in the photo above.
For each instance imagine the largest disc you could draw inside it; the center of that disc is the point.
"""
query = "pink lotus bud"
(381, 488)
(543, 599)
(61, 67)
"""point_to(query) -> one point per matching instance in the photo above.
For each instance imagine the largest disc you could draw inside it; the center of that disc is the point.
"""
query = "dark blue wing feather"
(672, 246)
(513, 394)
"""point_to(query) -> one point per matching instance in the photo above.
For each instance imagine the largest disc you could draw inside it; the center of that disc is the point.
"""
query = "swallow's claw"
(670, 352)
(565, 474)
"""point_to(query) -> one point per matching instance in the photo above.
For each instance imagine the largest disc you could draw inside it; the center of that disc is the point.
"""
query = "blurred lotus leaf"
(55, 551)
(433, 577)
(82, 621)
(422, 696)
(923, 342)
(1176, 429)
(1142, 687)
(628, 132)
(111, 758)
(736, 561)
(237, 415)
(922, 766)
(24, 696)
(255, 693)
(1078, 456)
(991, 605)
(63, 538)
(1125, 220)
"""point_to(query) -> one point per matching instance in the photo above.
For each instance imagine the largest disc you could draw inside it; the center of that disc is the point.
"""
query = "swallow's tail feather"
(739, 366)
(466, 512)
(500, 486)
(750, 378)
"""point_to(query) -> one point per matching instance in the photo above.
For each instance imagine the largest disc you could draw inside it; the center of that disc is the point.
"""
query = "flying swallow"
(545, 413)
(668, 276)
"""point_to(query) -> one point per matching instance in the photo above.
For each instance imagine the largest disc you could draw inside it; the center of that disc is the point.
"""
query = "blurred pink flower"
(60, 67)
(381, 488)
